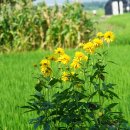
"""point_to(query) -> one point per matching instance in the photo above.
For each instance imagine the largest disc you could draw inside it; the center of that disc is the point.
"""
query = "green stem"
(95, 120)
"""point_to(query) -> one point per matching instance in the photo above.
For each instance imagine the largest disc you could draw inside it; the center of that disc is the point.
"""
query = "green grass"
(119, 24)
(120, 73)
(17, 84)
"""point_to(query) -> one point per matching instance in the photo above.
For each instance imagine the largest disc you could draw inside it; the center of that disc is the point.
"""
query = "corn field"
(28, 27)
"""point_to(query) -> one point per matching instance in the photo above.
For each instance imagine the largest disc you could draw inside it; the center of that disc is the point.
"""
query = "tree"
(13, 2)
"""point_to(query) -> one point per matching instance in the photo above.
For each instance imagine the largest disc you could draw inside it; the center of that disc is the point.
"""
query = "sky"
(51, 2)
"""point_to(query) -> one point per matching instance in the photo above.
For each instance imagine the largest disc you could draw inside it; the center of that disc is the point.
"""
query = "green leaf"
(38, 87)
(38, 96)
(53, 81)
(78, 96)
(112, 94)
(92, 95)
(61, 128)
(37, 121)
(112, 62)
(47, 126)
(102, 77)
(29, 107)
(112, 128)
(36, 125)
(93, 106)
(111, 106)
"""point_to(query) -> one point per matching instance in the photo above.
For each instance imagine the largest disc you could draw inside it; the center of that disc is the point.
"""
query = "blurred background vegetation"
(24, 26)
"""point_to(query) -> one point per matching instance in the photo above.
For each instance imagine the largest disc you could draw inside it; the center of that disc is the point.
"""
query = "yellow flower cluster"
(75, 64)
(79, 59)
(65, 76)
(91, 46)
(59, 51)
(58, 56)
(45, 67)
(100, 34)
(52, 58)
(61, 56)
(64, 59)
(79, 56)
(109, 37)
(97, 42)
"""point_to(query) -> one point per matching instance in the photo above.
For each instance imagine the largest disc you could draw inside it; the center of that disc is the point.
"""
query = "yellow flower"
(100, 113)
(89, 47)
(97, 42)
(35, 65)
(52, 58)
(75, 64)
(109, 36)
(64, 76)
(100, 34)
(80, 56)
(64, 59)
(72, 73)
(78, 85)
(45, 63)
(59, 51)
(46, 71)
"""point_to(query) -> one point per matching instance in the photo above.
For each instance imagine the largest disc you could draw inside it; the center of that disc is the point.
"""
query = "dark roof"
(124, 1)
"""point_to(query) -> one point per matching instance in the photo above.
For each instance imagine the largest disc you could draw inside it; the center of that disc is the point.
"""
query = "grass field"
(17, 84)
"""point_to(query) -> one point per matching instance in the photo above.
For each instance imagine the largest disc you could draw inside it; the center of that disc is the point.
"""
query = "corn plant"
(69, 26)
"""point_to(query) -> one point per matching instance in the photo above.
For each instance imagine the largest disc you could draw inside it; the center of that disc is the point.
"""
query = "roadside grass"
(17, 84)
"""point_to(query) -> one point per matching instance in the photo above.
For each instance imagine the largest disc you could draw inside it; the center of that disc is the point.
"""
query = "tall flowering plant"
(72, 92)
